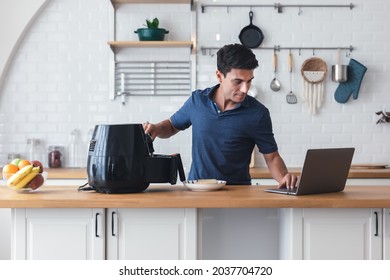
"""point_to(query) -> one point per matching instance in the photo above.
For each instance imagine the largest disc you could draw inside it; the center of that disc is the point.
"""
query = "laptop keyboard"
(285, 190)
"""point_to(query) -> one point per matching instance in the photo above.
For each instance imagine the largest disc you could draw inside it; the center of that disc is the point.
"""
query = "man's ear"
(219, 76)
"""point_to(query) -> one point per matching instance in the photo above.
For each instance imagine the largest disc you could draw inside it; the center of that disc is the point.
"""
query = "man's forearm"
(166, 129)
(278, 170)
(277, 167)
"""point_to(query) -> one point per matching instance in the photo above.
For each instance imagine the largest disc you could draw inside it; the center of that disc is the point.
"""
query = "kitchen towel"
(355, 74)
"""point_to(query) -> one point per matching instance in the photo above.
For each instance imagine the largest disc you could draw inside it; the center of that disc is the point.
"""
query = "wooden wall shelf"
(151, 1)
(150, 44)
(116, 72)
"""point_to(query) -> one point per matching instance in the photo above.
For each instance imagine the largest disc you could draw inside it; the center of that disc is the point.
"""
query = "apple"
(36, 182)
(16, 161)
(37, 163)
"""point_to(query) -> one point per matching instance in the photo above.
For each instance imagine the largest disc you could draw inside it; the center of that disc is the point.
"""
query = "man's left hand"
(289, 181)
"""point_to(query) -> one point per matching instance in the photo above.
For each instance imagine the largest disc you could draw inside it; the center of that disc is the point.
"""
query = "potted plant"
(151, 32)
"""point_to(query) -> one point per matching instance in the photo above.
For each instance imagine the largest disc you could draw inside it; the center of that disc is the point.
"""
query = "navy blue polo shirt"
(222, 142)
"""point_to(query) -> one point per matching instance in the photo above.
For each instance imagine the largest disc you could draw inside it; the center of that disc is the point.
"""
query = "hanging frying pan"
(251, 36)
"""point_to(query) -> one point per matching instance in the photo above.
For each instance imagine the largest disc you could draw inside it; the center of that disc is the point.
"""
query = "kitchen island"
(164, 222)
(215, 225)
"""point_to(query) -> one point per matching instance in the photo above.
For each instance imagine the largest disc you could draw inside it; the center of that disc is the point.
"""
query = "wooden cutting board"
(368, 166)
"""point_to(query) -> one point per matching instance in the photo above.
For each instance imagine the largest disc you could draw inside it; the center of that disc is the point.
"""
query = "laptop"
(324, 171)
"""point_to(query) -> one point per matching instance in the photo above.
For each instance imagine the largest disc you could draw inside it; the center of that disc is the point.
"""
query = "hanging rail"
(279, 48)
(277, 6)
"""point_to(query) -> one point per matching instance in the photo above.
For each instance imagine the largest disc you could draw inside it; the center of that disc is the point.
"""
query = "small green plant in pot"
(152, 32)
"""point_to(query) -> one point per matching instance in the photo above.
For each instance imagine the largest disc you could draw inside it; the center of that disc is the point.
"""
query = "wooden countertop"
(256, 173)
(166, 196)
(66, 173)
(263, 173)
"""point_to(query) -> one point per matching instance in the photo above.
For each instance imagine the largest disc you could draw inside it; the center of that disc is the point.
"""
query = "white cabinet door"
(238, 233)
(386, 234)
(5, 234)
(151, 233)
(62, 234)
(351, 234)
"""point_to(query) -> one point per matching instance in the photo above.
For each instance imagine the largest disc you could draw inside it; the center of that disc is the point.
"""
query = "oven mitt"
(355, 75)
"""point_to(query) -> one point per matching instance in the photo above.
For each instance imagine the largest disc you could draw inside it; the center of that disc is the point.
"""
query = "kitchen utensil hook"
(347, 53)
(300, 11)
(278, 7)
(314, 53)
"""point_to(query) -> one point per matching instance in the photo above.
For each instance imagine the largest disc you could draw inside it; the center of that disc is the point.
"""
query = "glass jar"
(34, 151)
(12, 156)
(74, 153)
(55, 157)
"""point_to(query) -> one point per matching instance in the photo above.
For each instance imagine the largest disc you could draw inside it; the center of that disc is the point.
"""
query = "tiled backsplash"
(58, 79)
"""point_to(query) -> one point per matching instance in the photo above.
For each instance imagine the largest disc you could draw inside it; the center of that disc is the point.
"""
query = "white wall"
(20, 23)
(58, 79)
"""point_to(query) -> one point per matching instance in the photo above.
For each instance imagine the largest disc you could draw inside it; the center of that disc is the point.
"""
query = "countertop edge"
(179, 197)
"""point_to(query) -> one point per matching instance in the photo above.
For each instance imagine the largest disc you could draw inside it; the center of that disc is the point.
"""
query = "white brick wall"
(58, 80)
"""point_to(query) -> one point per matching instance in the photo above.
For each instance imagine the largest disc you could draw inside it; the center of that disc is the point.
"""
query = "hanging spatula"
(291, 98)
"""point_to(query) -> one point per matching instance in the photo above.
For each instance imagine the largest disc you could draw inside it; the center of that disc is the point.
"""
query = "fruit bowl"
(30, 183)
(24, 175)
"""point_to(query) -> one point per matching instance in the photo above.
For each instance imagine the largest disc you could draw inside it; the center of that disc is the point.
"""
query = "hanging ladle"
(275, 84)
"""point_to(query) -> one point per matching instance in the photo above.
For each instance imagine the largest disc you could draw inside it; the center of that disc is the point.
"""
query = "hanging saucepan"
(251, 36)
(339, 71)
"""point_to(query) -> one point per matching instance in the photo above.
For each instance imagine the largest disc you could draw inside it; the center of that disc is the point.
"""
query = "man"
(227, 124)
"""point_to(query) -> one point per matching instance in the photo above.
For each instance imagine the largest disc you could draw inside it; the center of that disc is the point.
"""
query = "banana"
(18, 176)
(27, 179)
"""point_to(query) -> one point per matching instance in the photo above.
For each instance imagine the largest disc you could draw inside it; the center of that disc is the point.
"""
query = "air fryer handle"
(180, 168)
(177, 167)
(149, 144)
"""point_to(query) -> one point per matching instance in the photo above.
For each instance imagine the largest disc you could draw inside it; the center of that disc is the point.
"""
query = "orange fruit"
(23, 163)
(9, 169)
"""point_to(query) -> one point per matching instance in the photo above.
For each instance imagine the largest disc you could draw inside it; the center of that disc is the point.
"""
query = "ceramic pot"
(151, 34)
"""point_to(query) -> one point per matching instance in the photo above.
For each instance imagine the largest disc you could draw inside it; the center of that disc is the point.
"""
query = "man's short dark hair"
(235, 56)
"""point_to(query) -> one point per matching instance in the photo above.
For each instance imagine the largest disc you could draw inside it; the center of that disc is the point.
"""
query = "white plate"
(204, 185)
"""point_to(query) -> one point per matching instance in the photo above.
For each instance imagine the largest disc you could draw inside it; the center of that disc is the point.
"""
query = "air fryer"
(121, 160)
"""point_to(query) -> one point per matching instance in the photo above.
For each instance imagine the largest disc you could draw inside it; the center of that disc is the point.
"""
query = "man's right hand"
(163, 129)
(149, 128)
